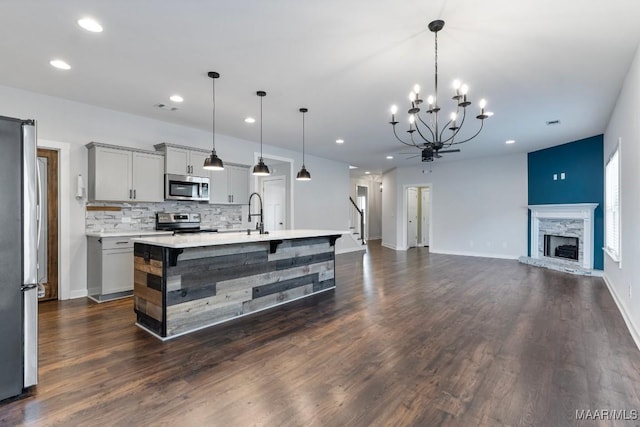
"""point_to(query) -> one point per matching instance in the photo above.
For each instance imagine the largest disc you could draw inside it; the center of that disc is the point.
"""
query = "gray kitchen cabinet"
(183, 160)
(109, 267)
(124, 174)
(230, 186)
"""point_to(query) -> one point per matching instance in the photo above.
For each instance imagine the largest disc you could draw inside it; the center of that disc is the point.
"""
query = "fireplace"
(565, 221)
(561, 247)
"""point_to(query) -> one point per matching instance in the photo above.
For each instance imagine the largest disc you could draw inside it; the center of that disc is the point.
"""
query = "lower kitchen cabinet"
(109, 267)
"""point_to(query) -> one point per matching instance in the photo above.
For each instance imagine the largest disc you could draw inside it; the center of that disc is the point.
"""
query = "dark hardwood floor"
(406, 339)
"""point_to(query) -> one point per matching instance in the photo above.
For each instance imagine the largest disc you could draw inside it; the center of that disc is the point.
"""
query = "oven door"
(183, 187)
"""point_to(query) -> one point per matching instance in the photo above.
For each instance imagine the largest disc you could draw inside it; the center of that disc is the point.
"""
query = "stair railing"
(359, 213)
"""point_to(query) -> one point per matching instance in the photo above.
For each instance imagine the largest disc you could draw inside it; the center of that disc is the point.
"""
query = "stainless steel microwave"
(186, 187)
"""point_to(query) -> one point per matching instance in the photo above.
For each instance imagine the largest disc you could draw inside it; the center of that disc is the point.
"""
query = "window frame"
(613, 252)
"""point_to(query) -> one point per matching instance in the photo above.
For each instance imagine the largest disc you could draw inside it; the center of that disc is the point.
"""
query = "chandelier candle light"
(213, 162)
(303, 174)
(261, 169)
(432, 135)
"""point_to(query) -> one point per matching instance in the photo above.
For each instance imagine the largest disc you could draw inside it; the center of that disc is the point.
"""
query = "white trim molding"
(627, 318)
(573, 211)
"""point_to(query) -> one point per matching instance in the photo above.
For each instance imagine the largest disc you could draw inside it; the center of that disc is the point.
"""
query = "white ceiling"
(347, 61)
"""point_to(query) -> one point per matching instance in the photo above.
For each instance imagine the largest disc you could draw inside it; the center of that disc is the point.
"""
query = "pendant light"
(303, 174)
(213, 162)
(261, 169)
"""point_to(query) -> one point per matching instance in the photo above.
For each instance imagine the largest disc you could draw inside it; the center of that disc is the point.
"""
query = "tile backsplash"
(142, 216)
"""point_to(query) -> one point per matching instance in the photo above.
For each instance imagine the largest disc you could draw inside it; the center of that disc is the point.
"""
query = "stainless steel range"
(181, 223)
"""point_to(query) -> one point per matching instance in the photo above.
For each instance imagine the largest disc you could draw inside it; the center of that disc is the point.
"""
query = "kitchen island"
(187, 282)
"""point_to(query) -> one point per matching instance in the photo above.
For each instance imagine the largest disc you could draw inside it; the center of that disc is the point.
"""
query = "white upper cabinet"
(148, 173)
(184, 160)
(230, 186)
(122, 174)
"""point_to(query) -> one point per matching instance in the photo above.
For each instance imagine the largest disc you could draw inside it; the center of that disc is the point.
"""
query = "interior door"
(426, 210)
(412, 217)
(48, 240)
(275, 198)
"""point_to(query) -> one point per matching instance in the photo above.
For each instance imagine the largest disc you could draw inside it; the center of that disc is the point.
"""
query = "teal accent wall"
(583, 164)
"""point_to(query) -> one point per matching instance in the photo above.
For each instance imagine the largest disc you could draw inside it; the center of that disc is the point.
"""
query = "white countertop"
(214, 239)
(129, 233)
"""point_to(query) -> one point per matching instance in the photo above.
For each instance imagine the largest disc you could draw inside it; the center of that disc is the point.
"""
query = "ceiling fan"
(430, 151)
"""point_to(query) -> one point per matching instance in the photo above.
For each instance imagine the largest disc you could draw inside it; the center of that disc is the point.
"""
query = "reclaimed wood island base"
(188, 282)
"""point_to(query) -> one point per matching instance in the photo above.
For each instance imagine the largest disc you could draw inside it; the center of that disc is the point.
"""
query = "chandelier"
(435, 137)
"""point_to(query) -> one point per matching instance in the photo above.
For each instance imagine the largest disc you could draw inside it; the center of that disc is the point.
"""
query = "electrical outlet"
(126, 219)
(562, 175)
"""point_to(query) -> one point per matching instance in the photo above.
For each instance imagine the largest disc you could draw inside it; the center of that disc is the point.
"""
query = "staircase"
(356, 222)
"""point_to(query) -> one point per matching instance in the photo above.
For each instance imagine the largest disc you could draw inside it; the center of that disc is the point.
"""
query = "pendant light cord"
(261, 127)
(214, 114)
(303, 139)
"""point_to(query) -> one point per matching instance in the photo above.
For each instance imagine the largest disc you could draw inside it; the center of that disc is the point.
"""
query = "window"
(612, 206)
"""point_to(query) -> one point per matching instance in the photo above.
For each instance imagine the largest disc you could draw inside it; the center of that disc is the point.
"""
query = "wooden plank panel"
(141, 291)
(215, 251)
(183, 321)
(269, 300)
(183, 295)
(152, 267)
(274, 276)
(284, 285)
(213, 263)
(282, 264)
(104, 208)
(296, 251)
(326, 284)
(148, 251)
(148, 308)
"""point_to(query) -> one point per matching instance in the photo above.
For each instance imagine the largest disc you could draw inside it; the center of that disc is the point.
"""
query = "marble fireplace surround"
(570, 212)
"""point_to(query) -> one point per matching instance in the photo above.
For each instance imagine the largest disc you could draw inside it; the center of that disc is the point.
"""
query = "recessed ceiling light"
(249, 120)
(176, 98)
(353, 167)
(367, 172)
(90, 24)
(389, 157)
(339, 141)
(510, 141)
(59, 63)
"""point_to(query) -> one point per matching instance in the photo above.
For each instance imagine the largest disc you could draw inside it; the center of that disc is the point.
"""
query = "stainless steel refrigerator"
(18, 257)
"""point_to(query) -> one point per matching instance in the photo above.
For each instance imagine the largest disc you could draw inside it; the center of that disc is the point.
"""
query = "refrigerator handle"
(39, 204)
(30, 222)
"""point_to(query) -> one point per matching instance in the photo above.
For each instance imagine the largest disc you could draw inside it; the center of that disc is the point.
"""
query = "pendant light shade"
(261, 169)
(303, 174)
(213, 162)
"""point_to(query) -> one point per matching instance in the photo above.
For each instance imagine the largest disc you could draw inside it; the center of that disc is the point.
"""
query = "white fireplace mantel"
(580, 211)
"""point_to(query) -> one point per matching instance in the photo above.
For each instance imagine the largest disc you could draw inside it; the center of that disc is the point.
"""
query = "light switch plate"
(562, 175)
(555, 176)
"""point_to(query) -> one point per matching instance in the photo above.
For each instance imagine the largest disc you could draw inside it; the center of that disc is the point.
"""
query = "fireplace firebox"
(561, 247)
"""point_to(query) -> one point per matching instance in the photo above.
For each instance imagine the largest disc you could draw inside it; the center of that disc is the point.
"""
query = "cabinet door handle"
(134, 194)
(121, 243)
(130, 194)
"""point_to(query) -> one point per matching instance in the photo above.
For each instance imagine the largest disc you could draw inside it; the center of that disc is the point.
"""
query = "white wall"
(624, 124)
(320, 203)
(389, 206)
(479, 207)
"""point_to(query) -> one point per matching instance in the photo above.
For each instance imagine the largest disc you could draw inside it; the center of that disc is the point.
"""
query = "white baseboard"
(361, 248)
(474, 254)
(78, 294)
(375, 238)
(627, 319)
(388, 246)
